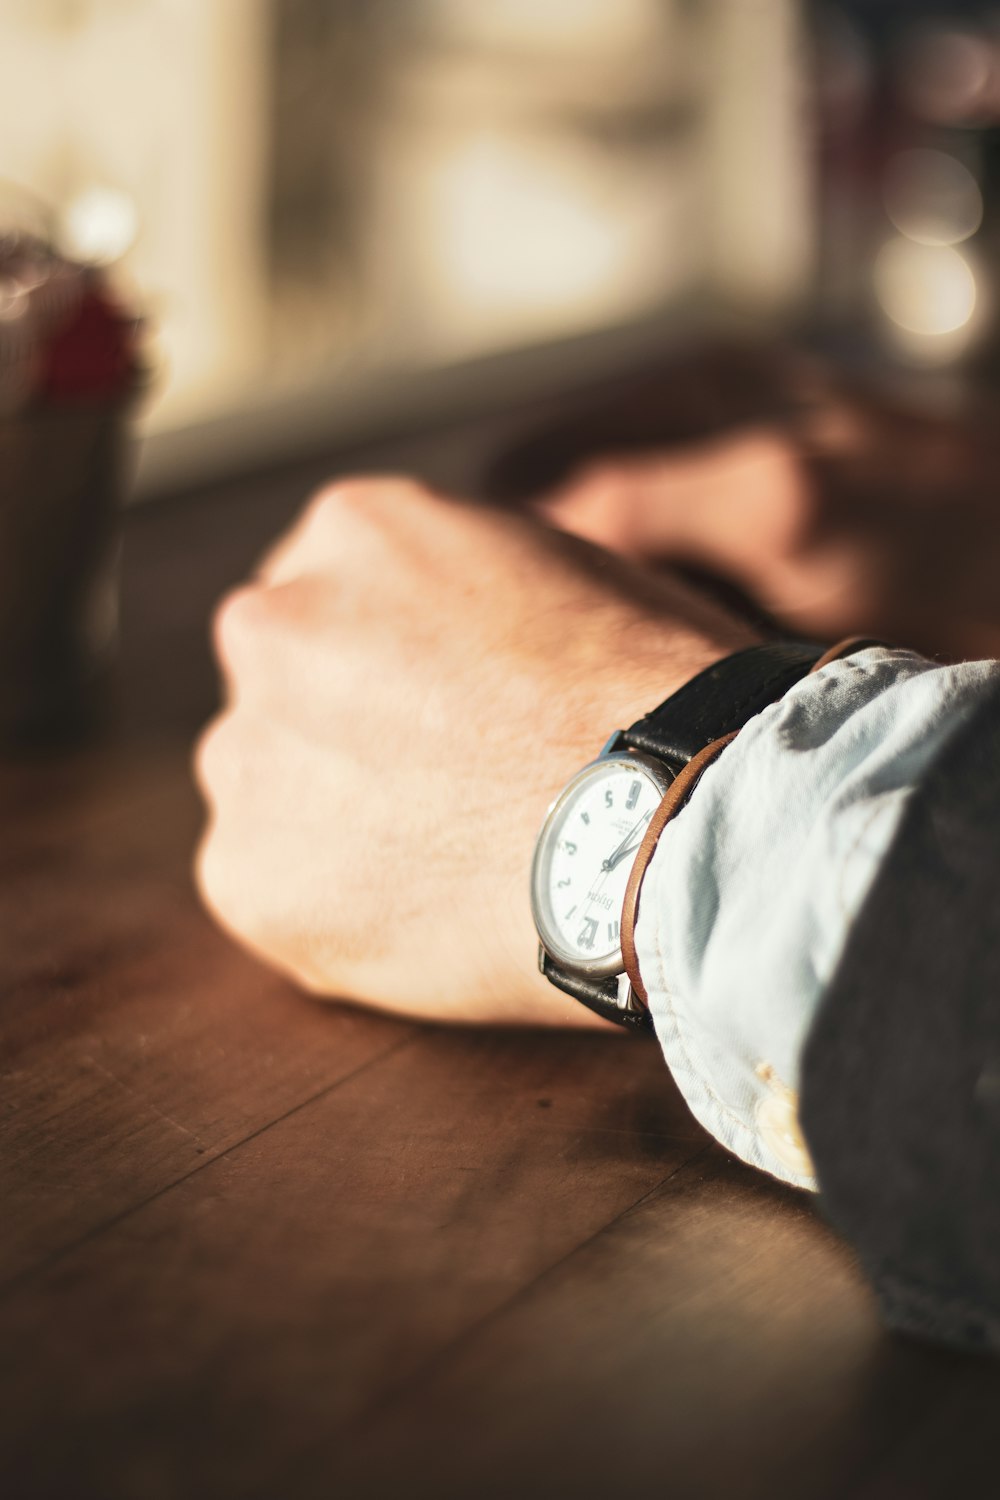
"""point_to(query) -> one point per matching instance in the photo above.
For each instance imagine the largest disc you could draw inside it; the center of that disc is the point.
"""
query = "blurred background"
(328, 208)
(343, 215)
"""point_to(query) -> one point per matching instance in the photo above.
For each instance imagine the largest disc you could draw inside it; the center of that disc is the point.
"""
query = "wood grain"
(719, 1334)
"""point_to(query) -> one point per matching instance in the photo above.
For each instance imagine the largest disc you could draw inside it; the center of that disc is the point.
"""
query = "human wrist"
(658, 669)
(651, 739)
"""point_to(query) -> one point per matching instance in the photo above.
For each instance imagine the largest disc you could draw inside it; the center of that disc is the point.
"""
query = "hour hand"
(620, 854)
(626, 847)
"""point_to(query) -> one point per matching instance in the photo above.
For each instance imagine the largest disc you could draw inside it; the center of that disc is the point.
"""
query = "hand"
(410, 681)
(738, 508)
(866, 521)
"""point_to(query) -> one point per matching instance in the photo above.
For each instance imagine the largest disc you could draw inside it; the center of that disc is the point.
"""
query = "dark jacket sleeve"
(900, 1086)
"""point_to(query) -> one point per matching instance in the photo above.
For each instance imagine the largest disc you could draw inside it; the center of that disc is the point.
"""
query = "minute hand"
(626, 847)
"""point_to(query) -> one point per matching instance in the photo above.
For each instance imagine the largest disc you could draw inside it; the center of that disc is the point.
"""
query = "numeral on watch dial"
(588, 933)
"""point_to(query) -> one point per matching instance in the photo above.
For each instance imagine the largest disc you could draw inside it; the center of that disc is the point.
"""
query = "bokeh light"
(930, 197)
(99, 225)
(949, 75)
(928, 293)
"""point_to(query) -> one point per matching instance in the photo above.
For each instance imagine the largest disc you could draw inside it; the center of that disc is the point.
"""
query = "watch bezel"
(613, 963)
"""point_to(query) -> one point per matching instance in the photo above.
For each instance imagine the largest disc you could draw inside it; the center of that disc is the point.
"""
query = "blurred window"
(309, 195)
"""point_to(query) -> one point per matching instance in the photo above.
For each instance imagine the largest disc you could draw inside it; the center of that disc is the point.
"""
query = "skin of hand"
(737, 507)
(409, 681)
(862, 521)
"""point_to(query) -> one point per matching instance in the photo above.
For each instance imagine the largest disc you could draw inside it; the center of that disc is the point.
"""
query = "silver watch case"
(612, 964)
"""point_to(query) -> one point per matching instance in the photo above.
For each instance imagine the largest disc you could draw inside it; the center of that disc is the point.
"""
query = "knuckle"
(212, 755)
(323, 508)
(237, 616)
(220, 879)
(311, 979)
(601, 475)
(368, 498)
(344, 499)
(355, 493)
(222, 889)
(214, 880)
(243, 905)
(207, 871)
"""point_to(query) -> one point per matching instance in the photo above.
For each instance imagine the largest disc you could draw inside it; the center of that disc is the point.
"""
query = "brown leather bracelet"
(677, 794)
(846, 647)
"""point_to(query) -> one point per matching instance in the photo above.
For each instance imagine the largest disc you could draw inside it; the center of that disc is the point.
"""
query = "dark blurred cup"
(69, 378)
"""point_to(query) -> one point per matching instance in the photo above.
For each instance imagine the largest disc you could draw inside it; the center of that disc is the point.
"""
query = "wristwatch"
(593, 830)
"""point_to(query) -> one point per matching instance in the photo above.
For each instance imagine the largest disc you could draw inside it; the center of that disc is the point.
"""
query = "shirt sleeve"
(754, 887)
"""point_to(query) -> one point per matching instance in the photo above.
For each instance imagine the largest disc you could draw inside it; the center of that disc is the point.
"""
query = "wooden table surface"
(257, 1246)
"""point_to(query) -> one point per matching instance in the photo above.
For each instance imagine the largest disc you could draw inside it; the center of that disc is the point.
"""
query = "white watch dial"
(584, 856)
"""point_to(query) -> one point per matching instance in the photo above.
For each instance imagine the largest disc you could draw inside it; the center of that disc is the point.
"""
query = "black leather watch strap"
(720, 700)
(600, 995)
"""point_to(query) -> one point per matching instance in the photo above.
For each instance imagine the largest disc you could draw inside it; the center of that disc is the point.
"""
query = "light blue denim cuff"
(751, 893)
